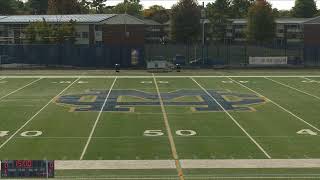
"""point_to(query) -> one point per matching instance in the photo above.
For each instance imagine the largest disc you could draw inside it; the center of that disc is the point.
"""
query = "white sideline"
(36, 114)
(142, 177)
(288, 86)
(150, 76)
(20, 89)
(186, 164)
(96, 122)
(234, 120)
(278, 105)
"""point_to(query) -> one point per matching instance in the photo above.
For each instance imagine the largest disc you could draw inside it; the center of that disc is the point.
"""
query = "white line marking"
(167, 125)
(36, 114)
(303, 92)
(142, 76)
(310, 79)
(194, 177)
(144, 137)
(97, 120)
(187, 163)
(234, 120)
(278, 105)
(20, 89)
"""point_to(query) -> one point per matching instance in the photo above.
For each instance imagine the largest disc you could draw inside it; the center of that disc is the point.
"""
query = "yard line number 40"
(161, 133)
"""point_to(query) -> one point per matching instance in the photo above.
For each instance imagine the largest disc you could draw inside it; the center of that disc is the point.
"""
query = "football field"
(154, 117)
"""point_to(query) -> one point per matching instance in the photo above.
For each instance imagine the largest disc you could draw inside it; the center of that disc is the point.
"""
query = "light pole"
(203, 21)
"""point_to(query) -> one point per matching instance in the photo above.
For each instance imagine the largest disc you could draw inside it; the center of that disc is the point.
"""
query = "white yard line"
(97, 120)
(288, 86)
(19, 89)
(278, 105)
(234, 120)
(148, 76)
(36, 114)
(169, 132)
(186, 163)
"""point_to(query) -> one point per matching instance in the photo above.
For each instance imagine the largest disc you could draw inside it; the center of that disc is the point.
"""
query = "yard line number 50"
(161, 133)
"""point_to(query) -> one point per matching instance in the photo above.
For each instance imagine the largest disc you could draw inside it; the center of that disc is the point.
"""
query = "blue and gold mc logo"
(126, 100)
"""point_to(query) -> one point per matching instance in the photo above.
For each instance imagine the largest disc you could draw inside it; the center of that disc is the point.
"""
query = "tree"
(261, 22)
(9, 7)
(98, 5)
(157, 13)
(63, 7)
(185, 21)
(42, 32)
(218, 14)
(84, 6)
(240, 8)
(304, 9)
(130, 7)
(38, 6)
(281, 13)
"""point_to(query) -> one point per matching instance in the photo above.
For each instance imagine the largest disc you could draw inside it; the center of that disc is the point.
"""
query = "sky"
(279, 4)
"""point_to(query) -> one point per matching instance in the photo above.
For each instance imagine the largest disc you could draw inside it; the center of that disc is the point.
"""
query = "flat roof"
(315, 20)
(83, 18)
(278, 20)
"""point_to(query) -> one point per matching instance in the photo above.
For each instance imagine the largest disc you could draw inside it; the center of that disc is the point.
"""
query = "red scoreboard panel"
(27, 169)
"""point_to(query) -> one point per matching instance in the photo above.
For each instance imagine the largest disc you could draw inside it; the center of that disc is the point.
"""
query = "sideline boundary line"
(195, 177)
(20, 88)
(296, 89)
(150, 76)
(36, 114)
(171, 140)
(187, 164)
(278, 105)
(234, 120)
(97, 120)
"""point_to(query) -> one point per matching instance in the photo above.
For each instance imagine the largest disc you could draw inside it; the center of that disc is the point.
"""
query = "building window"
(85, 35)
(98, 28)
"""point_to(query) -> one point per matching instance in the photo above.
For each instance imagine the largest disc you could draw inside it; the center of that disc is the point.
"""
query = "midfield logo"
(126, 100)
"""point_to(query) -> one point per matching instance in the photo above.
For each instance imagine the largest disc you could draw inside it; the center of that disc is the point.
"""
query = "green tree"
(240, 8)
(261, 22)
(84, 6)
(38, 6)
(218, 14)
(64, 7)
(42, 32)
(185, 21)
(304, 9)
(10, 7)
(133, 8)
(98, 5)
(157, 13)
(38, 32)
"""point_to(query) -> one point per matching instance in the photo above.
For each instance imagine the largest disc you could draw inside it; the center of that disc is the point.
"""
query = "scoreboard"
(27, 169)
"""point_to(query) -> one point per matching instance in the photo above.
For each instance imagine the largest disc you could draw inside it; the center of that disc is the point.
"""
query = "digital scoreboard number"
(27, 169)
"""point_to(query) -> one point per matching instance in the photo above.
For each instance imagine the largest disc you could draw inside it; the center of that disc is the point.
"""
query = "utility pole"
(203, 21)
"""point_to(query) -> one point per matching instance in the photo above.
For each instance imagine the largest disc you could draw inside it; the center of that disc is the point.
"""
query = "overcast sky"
(280, 4)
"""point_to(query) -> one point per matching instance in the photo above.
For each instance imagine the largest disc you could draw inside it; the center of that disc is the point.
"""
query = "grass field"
(160, 118)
